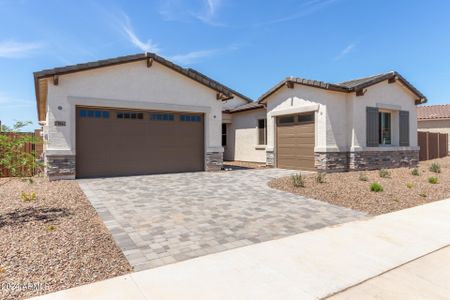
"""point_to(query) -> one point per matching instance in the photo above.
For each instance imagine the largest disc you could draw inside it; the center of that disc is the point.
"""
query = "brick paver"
(161, 219)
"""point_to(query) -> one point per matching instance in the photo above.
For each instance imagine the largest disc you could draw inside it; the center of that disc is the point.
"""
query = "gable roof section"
(346, 86)
(433, 112)
(245, 107)
(188, 72)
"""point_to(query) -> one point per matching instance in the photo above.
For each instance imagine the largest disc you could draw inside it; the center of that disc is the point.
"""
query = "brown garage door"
(127, 142)
(295, 142)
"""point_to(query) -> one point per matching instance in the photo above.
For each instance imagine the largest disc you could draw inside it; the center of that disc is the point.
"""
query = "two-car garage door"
(112, 142)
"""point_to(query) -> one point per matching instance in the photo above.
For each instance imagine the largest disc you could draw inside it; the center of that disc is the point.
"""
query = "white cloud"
(347, 50)
(12, 49)
(195, 56)
(304, 9)
(147, 46)
(205, 11)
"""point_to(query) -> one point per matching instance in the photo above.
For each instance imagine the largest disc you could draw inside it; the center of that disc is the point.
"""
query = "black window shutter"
(404, 127)
(372, 127)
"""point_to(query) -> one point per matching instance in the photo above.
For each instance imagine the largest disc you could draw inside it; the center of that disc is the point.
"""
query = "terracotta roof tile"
(433, 112)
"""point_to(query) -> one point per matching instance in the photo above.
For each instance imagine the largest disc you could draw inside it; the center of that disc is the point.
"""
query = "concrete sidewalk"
(311, 265)
(425, 278)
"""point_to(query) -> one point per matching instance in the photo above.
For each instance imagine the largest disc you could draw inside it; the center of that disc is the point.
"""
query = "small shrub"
(422, 195)
(432, 180)
(51, 228)
(320, 177)
(376, 187)
(409, 185)
(435, 167)
(363, 177)
(298, 180)
(415, 172)
(384, 173)
(27, 197)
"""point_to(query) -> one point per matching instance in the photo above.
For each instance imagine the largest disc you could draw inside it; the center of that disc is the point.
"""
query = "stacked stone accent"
(270, 158)
(365, 160)
(372, 160)
(332, 161)
(214, 161)
(60, 167)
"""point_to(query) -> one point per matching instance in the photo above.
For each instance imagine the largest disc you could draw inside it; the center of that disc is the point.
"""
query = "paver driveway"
(161, 219)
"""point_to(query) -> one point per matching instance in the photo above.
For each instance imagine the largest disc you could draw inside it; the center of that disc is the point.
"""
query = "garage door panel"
(295, 145)
(117, 146)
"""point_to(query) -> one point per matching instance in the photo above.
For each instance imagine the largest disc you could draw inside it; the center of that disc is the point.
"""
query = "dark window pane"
(105, 115)
(286, 120)
(90, 113)
(384, 119)
(133, 116)
(83, 113)
(120, 115)
(224, 139)
(306, 118)
(262, 132)
(182, 118)
(126, 115)
(98, 114)
(140, 116)
(171, 117)
(224, 128)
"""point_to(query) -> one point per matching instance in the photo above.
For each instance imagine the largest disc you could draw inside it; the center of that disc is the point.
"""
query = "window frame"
(381, 134)
(264, 129)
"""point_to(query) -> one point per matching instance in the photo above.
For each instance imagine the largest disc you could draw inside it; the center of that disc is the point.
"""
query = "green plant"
(13, 158)
(384, 173)
(320, 177)
(415, 172)
(409, 185)
(435, 167)
(376, 187)
(363, 177)
(27, 197)
(298, 180)
(432, 179)
(51, 228)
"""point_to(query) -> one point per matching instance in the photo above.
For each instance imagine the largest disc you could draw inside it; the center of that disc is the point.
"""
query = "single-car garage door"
(295, 142)
(113, 142)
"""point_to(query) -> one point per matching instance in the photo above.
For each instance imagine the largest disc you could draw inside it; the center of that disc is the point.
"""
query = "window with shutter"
(372, 127)
(404, 127)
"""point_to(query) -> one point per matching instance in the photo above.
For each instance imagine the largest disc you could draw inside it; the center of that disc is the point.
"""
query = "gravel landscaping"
(400, 190)
(53, 242)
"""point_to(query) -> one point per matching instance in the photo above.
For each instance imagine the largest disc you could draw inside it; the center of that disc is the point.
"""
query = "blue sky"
(247, 45)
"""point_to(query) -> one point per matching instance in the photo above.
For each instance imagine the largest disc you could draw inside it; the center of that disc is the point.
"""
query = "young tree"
(13, 157)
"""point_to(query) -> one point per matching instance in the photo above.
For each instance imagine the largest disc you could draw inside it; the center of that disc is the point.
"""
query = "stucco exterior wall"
(391, 97)
(242, 137)
(133, 86)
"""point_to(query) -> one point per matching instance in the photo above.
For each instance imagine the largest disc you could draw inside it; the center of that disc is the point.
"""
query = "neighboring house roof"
(433, 112)
(193, 74)
(346, 86)
(244, 107)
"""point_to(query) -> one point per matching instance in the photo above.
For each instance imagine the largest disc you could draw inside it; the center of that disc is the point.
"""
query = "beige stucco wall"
(441, 126)
(390, 97)
(341, 117)
(133, 86)
(242, 137)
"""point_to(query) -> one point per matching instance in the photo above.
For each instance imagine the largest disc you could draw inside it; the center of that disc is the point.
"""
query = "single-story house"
(142, 114)
(367, 123)
(434, 118)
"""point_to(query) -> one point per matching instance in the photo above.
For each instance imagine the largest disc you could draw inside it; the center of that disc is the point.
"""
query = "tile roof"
(433, 112)
(346, 86)
(248, 106)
